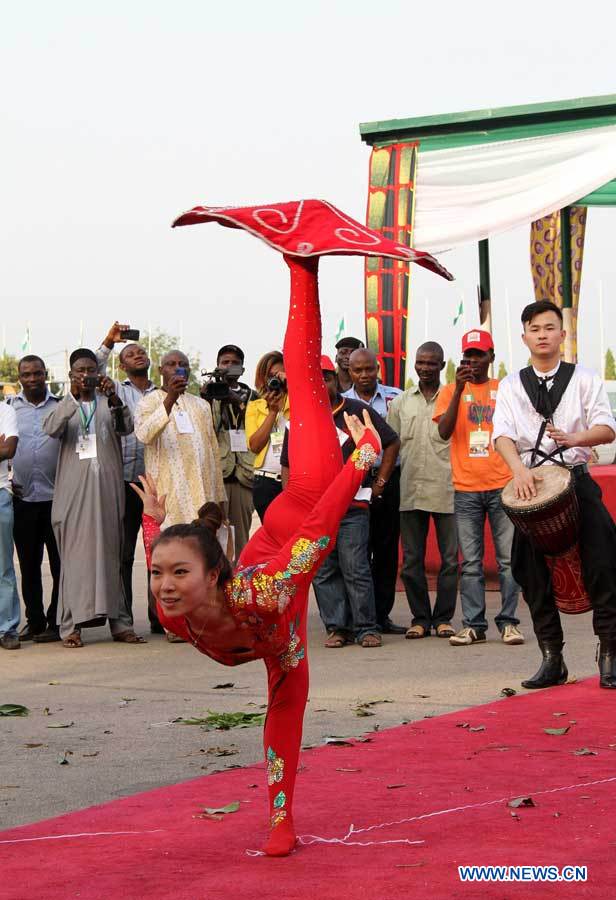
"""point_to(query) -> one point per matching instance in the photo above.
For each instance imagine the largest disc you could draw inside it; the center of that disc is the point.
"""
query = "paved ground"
(120, 700)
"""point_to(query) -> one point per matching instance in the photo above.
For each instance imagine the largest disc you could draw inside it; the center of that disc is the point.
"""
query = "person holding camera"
(135, 362)
(181, 451)
(229, 398)
(266, 420)
(88, 503)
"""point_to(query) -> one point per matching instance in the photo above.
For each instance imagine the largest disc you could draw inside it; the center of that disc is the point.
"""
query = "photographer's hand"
(275, 401)
(175, 389)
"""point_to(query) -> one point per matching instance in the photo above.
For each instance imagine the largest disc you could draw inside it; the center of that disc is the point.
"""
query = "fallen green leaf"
(557, 730)
(224, 721)
(222, 810)
(362, 712)
(13, 709)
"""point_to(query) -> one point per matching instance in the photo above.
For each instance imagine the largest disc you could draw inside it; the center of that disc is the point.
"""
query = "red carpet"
(434, 782)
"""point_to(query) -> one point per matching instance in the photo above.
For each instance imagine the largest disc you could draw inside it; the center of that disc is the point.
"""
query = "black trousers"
(32, 533)
(383, 548)
(133, 512)
(264, 490)
(598, 555)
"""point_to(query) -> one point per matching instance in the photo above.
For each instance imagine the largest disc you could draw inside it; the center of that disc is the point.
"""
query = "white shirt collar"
(549, 375)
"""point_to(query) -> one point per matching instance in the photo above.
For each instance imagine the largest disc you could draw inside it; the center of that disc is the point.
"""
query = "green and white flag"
(25, 344)
(341, 329)
(460, 313)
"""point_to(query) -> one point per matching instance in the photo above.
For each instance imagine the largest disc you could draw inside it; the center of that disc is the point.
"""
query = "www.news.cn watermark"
(523, 873)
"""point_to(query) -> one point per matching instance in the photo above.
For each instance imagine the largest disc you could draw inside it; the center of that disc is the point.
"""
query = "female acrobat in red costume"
(259, 610)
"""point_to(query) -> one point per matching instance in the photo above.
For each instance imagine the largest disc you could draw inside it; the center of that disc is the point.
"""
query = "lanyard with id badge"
(276, 441)
(86, 442)
(237, 435)
(183, 422)
(479, 440)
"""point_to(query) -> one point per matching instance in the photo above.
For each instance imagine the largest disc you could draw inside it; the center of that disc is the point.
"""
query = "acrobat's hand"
(153, 505)
(357, 430)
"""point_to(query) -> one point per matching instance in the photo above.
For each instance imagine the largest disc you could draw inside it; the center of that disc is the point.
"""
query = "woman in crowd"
(266, 420)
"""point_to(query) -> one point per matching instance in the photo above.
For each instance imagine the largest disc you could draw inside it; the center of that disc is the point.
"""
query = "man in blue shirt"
(385, 505)
(34, 474)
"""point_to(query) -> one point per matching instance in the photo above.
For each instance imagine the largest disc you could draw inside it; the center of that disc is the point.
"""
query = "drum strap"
(546, 403)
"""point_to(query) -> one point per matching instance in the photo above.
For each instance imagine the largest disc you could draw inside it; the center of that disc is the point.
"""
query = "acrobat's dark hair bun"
(210, 517)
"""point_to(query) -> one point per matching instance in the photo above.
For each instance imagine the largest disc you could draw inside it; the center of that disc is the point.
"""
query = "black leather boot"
(607, 663)
(552, 670)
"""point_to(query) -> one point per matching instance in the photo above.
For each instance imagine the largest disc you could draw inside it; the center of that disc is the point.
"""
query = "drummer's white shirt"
(583, 405)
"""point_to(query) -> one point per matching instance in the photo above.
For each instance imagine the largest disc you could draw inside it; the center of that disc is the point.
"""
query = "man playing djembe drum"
(549, 414)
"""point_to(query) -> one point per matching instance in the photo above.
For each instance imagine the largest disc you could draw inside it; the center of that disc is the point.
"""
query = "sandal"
(72, 641)
(371, 640)
(335, 640)
(444, 630)
(415, 632)
(128, 637)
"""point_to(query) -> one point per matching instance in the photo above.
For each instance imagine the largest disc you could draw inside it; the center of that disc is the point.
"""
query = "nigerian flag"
(459, 313)
(25, 344)
(341, 329)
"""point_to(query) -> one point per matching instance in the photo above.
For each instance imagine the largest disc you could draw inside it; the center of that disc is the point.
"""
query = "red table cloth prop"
(310, 228)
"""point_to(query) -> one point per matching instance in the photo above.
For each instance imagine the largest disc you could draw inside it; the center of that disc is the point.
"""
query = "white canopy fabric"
(468, 193)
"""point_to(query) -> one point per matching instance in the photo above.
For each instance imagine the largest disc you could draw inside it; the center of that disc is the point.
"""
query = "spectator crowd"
(68, 467)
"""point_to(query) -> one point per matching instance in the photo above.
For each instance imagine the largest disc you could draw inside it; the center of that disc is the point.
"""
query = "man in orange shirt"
(464, 413)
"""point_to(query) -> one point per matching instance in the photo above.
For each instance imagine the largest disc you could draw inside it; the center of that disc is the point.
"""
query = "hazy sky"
(117, 116)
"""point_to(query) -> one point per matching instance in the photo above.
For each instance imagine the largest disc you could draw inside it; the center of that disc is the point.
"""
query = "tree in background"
(8, 368)
(450, 371)
(161, 343)
(502, 371)
(610, 366)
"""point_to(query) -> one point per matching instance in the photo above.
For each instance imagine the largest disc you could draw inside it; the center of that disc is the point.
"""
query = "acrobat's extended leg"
(287, 695)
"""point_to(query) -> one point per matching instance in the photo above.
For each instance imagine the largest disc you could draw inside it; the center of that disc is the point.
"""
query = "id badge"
(276, 442)
(183, 422)
(86, 446)
(479, 445)
(238, 441)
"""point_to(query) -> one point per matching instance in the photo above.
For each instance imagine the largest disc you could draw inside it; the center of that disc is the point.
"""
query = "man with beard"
(135, 362)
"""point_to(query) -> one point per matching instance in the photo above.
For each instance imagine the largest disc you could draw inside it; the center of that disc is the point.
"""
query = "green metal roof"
(487, 125)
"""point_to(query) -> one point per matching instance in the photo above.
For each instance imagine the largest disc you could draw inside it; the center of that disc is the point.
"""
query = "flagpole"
(464, 322)
(601, 332)
(509, 342)
(426, 319)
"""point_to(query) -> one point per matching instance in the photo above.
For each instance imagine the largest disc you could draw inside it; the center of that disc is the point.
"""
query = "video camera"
(216, 386)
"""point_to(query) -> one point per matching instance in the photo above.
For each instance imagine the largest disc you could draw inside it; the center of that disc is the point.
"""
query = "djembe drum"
(551, 521)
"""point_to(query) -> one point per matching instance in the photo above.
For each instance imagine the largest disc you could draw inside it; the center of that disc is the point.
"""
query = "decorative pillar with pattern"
(390, 211)
(547, 270)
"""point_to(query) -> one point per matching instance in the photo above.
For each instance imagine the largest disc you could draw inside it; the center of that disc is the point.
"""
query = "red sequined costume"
(269, 589)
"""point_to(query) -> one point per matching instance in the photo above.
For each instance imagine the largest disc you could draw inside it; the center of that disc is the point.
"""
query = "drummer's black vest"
(546, 403)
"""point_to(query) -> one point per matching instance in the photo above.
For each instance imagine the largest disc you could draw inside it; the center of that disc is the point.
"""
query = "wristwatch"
(380, 481)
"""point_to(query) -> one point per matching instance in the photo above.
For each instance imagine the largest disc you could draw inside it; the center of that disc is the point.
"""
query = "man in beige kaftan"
(181, 450)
